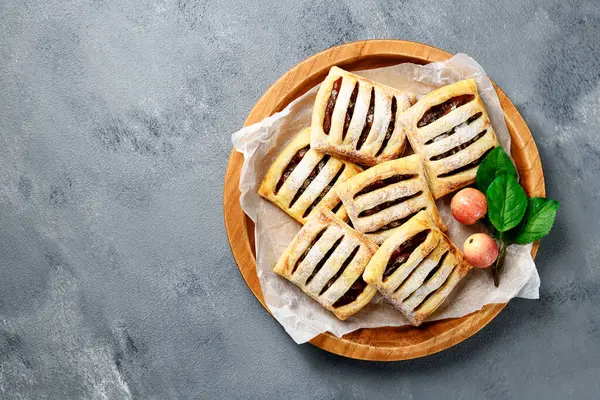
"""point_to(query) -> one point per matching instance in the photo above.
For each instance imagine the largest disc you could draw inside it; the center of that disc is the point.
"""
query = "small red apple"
(480, 250)
(468, 205)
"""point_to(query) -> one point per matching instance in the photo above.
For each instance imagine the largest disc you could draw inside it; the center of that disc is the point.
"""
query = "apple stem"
(499, 263)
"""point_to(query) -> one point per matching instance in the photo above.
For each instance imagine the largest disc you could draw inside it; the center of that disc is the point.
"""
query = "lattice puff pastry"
(355, 118)
(416, 268)
(449, 128)
(380, 199)
(302, 178)
(326, 260)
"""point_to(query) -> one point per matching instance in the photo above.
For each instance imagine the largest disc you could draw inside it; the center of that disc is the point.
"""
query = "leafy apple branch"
(512, 217)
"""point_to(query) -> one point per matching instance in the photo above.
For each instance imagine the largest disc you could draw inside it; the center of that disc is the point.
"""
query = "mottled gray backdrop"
(116, 278)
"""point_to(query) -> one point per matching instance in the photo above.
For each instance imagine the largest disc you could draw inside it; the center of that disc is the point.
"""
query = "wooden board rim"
(291, 85)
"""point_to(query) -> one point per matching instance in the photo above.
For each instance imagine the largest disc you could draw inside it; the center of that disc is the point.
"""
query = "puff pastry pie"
(302, 178)
(449, 128)
(326, 260)
(355, 118)
(380, 199)
(416, 268)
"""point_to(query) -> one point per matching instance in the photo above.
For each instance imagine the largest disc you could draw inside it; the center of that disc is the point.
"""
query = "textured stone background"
(116, 279)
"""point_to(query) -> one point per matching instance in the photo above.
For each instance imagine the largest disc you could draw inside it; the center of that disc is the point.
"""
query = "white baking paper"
(302, 317)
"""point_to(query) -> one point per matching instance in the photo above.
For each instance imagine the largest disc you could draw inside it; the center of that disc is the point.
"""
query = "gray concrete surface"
(116, 279)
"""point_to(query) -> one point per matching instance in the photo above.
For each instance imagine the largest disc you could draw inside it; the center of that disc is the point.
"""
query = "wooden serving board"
(390, 343)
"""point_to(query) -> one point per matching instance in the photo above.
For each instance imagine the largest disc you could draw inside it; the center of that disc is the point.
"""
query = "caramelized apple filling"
(324, 192)
(351, 294)
(350, 110)
(339, 273)
(371, 187)
(403, 252)
(368, 121)
(467, 166)
(374, 210)
(310, 246)
(438, 111)
(291, 166)
(459, 147)
(335, 90)
(396, 223)
(390, 129)
(320, 165)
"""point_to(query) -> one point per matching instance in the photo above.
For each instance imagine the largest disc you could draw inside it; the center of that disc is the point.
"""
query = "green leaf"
(496, 163)
(507, 202)
(538, 221)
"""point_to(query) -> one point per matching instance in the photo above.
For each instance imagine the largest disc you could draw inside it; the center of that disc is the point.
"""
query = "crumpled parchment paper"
(302, 317)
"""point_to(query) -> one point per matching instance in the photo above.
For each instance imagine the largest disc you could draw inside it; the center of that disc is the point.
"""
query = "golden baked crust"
(383, 197)
(416, 268)
(305, 189)
(450, 129)
(343, 130)
(326, 260)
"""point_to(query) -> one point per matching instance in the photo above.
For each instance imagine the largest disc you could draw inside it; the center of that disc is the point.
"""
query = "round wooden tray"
(390, 343)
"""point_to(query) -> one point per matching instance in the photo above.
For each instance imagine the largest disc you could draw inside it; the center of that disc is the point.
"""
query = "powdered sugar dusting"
(302, 318)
